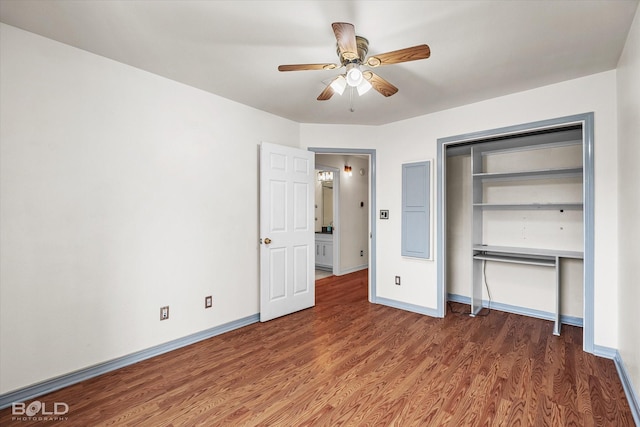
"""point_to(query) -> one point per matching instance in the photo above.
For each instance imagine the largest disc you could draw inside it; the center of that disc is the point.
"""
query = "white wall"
(121, 192)
(416, 139)
(354, 220)
(629, 202)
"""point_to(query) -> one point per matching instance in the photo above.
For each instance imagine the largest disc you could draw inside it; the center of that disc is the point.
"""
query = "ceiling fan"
(352, 51)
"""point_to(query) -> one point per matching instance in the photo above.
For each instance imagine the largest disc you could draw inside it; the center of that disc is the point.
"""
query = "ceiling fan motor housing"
(348, 57)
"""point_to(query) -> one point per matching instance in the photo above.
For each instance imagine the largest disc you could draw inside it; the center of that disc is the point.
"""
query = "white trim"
(75, 377)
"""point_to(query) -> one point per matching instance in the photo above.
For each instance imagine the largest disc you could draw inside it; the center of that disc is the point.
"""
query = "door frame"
(587, 122)
(372, 207)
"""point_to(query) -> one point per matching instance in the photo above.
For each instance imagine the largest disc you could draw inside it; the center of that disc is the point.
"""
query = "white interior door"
(287, 257)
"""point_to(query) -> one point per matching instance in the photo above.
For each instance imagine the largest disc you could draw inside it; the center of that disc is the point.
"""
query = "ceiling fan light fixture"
(354, 75)
(363, 87)
(339, 84)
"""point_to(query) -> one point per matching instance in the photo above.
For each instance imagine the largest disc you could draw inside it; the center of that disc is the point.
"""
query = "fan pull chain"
(351, 90)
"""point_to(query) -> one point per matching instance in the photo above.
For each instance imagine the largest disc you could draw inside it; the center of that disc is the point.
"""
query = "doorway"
(353, 255)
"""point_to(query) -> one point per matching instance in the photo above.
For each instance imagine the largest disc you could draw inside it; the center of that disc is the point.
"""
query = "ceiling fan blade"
(380, 84)
(346, 37)
(326, 93)
(301, 67)
(403, 55)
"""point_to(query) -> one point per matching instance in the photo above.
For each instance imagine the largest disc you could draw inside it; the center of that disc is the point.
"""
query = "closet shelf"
(533, 174)
(529, 206)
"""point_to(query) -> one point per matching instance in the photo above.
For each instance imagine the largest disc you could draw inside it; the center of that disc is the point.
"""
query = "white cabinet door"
(328, 254)
(324, 253)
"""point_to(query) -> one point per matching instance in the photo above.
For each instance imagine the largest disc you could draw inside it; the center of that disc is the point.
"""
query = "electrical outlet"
(208, 301)
(164, 313)
(398, 280)
(361, 253)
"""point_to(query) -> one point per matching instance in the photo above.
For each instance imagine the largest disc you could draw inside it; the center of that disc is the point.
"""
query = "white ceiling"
(479, 49)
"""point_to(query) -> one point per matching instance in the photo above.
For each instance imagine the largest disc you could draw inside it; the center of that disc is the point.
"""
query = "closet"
(515, 221)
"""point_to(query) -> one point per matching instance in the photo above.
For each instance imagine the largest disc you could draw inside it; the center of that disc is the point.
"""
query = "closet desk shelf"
(529, 256)
(533, 252)
(519, 259)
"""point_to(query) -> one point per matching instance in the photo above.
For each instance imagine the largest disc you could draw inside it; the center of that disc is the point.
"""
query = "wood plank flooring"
(349, 362)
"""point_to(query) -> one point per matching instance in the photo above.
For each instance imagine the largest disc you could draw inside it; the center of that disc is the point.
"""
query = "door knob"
(267, 241)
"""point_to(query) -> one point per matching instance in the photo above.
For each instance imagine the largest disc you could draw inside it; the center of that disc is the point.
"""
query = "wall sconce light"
(347, 169)
(325, 176)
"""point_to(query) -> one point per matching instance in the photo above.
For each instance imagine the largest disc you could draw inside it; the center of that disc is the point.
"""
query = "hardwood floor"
(349, 362)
